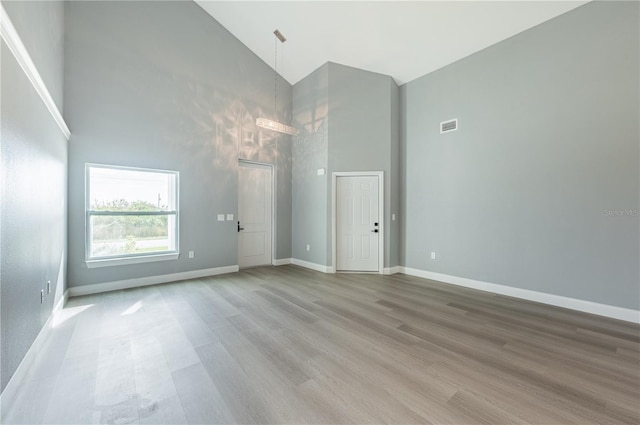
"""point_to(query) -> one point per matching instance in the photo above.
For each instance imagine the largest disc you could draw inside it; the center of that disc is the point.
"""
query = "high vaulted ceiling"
(403, 39)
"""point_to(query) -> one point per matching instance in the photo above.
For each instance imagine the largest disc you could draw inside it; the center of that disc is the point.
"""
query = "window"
(131, 215)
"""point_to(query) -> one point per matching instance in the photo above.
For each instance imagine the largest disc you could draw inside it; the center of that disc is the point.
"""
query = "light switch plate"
(220, 217)
(321, 171)
(229, 217)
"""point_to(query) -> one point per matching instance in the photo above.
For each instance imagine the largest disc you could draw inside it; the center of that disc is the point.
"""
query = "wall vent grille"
(450, 125)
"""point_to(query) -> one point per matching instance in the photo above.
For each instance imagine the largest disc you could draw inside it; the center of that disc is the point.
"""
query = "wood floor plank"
(275, 386)
(165, 411)
(34, 392)
(504, 393)
(348, 384)
(200, 399)
(280, 357)
(288, 345)
(72, 398)
(285, 305)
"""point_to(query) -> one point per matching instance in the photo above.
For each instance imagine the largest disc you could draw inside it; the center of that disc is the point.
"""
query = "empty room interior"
(320, 212)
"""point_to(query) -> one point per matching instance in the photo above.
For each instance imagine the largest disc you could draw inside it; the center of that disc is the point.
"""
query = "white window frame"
(118, 260)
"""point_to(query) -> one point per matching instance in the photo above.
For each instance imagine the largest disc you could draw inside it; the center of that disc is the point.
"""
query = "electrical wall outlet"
(433, 255)
(192, 254)
(308, 247)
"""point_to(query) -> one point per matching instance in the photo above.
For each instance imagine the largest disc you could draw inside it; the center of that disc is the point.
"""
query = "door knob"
(240, 228)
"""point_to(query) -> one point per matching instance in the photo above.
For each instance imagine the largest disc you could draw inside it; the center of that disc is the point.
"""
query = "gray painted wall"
(310, 153)
(361, 125)
(349, 121)
(40, 25)
(531, 192)
(395, 183)
(33, 205)
(163, 85)
(402, 151)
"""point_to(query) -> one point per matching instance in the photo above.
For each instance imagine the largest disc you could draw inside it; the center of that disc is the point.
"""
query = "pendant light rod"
(279, 35)
(275, 79)
(282, 39)
(271, 124)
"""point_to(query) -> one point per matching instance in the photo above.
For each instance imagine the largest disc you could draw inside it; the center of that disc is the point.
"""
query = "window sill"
(121, 261)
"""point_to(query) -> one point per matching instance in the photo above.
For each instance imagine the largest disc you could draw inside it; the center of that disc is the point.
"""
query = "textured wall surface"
(539, 188)
(394, 206)
(350, 122)
(163, 85)
(309, 193)
(33, 154)
(40, 25)
(363, 136)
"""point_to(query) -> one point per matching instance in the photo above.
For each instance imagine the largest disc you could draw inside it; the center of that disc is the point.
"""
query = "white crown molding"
(150, 280)
(614, 312)
(10, 392)
(11, 37)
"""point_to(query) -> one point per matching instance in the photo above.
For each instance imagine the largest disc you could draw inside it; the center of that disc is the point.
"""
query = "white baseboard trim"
(8, 396)
(392, 270)
(61, 302)
(282, 262)
(614, 312)
(11, 37)
(330, 269)
(150, 280)
(312, 266)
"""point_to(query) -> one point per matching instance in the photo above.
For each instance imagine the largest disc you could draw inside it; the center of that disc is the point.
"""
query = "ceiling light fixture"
(265, 122)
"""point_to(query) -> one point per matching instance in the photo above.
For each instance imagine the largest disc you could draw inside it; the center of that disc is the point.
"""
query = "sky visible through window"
(109, 185)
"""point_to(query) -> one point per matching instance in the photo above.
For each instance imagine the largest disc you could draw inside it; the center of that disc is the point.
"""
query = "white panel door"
(254, 214)
(357, 224)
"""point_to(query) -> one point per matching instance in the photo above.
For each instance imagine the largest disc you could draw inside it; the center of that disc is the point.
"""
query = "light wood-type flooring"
(276, 345)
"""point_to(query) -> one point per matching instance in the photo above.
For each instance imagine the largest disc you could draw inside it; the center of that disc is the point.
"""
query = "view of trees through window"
(144, 233)
(130, 212)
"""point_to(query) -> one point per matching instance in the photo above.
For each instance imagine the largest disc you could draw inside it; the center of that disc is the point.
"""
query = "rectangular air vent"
(450, 125)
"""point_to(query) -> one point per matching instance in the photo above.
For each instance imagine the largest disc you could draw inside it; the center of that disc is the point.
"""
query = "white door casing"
(357, 218)
(254, 214)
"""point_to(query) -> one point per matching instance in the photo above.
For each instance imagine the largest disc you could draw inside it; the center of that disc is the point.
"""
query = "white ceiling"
(403, 39)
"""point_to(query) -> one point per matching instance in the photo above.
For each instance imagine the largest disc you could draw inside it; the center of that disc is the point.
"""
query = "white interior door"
(254, 214)
(357, 223)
